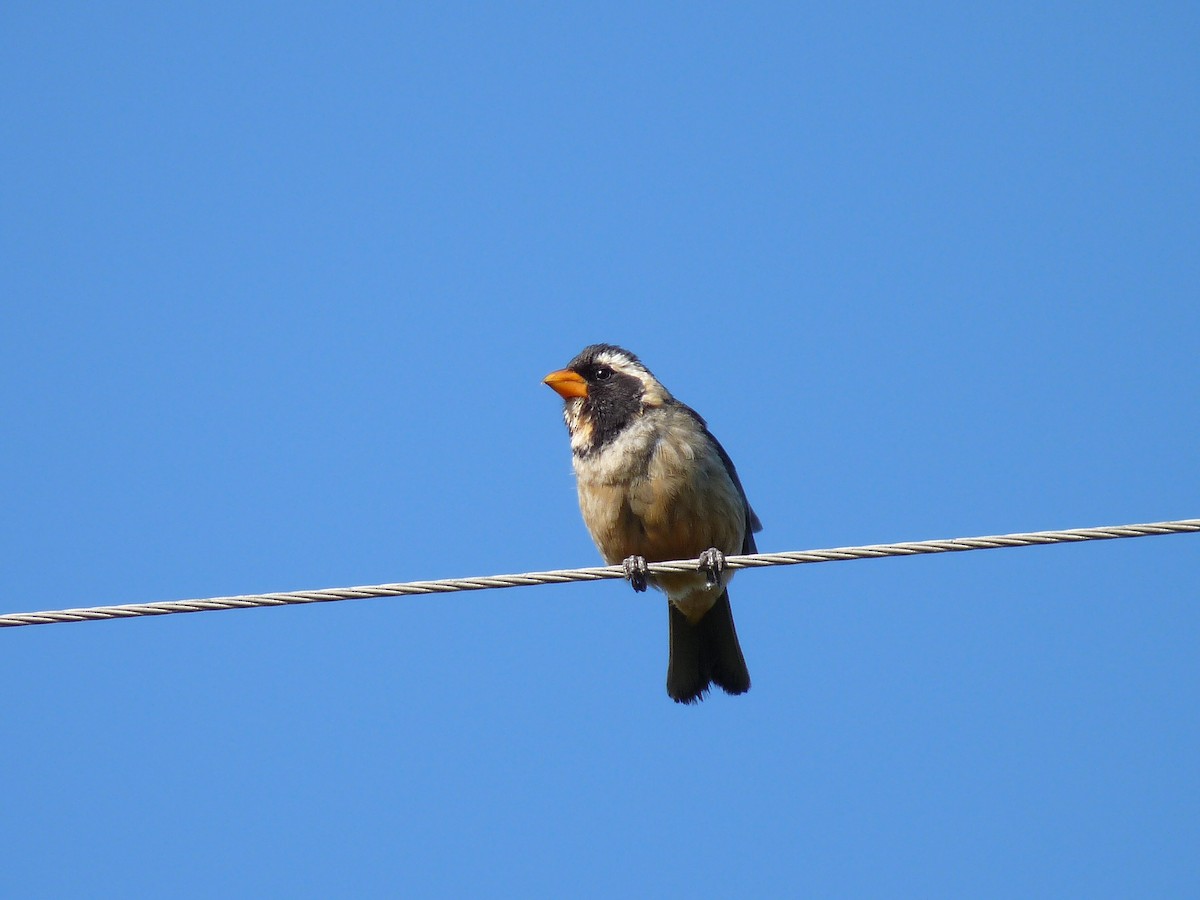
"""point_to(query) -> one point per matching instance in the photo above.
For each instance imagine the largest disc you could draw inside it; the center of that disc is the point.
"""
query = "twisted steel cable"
(597, 573)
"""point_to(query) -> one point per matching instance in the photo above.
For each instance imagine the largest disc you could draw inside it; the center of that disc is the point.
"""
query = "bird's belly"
(619, 533)
(668, 502)
(658, 532)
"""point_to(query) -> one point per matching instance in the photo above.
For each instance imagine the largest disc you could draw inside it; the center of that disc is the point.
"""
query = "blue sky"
(280, 283)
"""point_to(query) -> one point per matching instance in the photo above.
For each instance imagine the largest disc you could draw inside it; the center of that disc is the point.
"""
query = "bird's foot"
(635, 572)
(712, 564)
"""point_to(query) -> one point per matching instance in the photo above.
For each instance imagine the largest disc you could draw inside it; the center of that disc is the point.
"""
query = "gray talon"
(635, 572)
(712, 564)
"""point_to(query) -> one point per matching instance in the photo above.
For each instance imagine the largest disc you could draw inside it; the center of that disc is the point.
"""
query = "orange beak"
(566, 383)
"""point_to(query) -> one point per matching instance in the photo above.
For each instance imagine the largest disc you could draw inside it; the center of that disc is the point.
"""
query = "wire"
(560, 576)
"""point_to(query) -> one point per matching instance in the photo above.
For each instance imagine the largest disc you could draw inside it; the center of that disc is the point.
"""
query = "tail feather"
(704, 654)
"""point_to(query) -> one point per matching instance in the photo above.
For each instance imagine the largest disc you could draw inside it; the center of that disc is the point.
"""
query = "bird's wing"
(753, 525)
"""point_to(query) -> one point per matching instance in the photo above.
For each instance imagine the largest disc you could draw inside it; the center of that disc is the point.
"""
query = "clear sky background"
(280, 283)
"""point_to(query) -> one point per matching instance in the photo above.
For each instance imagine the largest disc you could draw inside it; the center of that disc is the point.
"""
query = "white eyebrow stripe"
(623, 363)
(617, 360)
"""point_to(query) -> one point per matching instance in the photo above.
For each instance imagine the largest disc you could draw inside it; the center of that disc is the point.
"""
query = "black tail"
(705, 653)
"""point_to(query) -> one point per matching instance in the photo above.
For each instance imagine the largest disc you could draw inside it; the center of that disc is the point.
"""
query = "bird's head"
(605, 389)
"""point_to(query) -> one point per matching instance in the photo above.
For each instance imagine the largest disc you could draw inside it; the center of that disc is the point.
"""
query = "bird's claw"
(712, 564)
(635, 572)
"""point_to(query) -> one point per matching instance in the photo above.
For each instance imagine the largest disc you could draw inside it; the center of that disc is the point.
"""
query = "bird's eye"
(603, 373)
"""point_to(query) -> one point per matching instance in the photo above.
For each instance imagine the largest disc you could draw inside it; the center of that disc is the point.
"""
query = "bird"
(654, 485)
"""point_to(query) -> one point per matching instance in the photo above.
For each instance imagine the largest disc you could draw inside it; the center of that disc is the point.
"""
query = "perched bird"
(655, 485)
